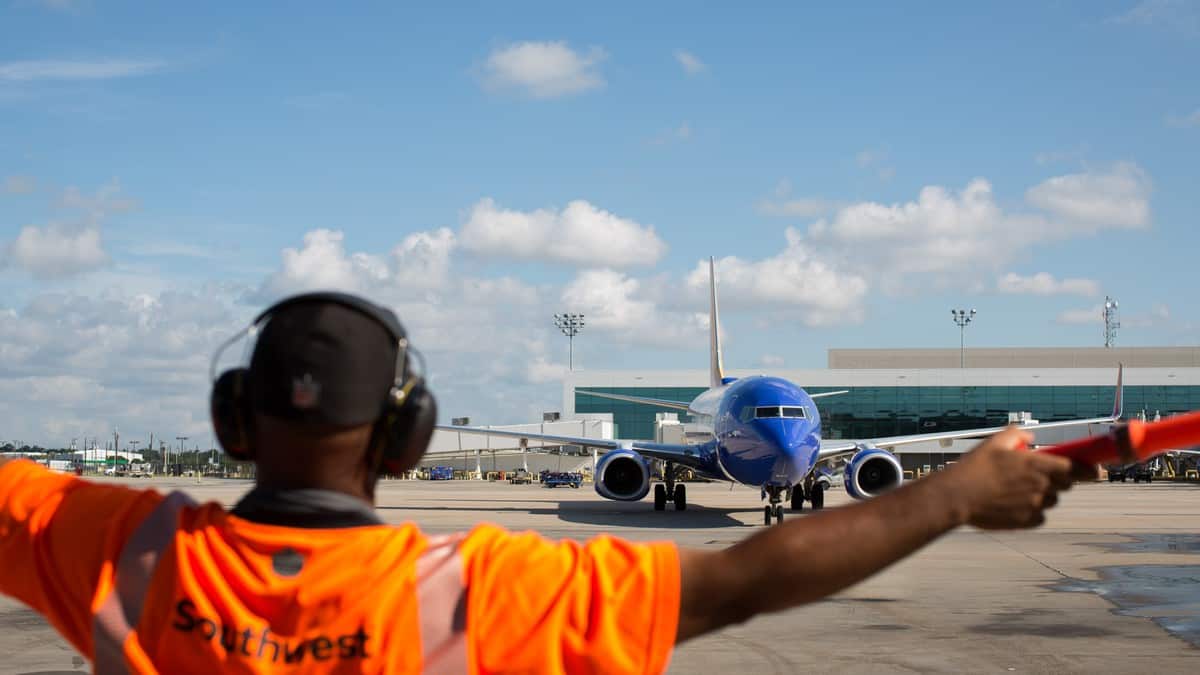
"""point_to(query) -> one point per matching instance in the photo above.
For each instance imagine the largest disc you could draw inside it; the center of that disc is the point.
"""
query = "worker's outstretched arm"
(807, 559)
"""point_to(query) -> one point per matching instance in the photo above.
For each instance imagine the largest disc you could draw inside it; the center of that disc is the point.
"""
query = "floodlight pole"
(962, 317)
(181, 439)
(570, 325)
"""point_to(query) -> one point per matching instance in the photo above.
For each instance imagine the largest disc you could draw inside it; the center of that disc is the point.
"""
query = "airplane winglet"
(716, 366)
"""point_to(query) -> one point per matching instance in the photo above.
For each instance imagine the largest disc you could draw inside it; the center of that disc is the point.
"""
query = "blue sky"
(857, 170)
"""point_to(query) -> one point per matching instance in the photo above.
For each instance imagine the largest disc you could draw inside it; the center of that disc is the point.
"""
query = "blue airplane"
(758, 431)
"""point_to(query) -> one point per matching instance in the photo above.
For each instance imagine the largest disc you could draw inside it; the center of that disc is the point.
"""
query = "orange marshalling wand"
(1133, 442)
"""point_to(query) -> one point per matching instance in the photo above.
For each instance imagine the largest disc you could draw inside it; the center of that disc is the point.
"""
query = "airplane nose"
(785, 435)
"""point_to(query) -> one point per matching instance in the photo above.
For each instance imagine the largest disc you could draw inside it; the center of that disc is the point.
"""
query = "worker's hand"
(1002, 486)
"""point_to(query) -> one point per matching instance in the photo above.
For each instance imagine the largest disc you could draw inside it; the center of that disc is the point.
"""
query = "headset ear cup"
(408, 430)
(229, 406)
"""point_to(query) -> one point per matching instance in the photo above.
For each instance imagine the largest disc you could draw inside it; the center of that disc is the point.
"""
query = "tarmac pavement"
(1111, 583)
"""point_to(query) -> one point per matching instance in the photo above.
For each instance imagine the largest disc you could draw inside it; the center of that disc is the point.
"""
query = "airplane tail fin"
(716, 366)
(1119, 396)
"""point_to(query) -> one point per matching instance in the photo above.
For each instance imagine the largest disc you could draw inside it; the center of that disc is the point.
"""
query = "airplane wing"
(839, 447)
(686, 455)
(605, 443)
(829, 393)
(658, 402)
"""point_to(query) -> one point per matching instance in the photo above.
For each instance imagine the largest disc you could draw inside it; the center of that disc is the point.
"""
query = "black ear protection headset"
(407, 414)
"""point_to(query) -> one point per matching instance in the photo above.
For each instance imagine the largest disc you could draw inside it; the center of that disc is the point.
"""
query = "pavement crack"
(1043, 563)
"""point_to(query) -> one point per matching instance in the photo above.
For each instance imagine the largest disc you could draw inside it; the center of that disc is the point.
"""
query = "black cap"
(320, 360)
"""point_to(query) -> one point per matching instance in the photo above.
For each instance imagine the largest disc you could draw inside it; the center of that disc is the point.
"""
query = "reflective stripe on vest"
(119, 613)
(442, 606)
(441, 595)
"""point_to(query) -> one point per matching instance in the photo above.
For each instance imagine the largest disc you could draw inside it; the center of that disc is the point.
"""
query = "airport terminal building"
(910, 391)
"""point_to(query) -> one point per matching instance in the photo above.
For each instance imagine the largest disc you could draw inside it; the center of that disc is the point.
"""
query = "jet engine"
(872, 472)
(622, 475)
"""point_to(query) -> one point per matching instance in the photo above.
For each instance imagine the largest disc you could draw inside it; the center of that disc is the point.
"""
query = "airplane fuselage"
(766, 431)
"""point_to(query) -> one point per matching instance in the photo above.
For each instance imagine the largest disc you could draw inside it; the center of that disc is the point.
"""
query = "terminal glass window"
(873, 412)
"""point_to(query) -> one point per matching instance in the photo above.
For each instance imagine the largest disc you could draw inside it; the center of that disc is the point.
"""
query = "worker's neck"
(355, 486)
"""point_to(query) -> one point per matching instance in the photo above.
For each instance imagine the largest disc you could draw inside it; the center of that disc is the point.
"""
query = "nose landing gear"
(774, 509)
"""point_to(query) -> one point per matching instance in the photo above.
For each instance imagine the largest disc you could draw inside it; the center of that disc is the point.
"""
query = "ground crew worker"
(302, 575)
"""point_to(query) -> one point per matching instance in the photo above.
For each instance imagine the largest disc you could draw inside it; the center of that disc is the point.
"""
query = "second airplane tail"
(716, 365)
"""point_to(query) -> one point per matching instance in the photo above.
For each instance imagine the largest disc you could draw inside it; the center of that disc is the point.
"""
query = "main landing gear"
(812, 490)
(669, 491)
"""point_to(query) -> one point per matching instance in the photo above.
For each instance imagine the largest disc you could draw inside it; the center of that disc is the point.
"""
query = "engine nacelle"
(622, 475)
(872, 472)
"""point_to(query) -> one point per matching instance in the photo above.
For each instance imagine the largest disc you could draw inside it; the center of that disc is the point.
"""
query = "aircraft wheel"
(660, 497)
(779, 513)
(767, 515)
(680, 497)
(1112, 479)
(817, 497)
(1149, 479)
(797, 498)
(1122, 479)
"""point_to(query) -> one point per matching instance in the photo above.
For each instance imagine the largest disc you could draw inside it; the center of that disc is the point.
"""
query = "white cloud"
(544, 69)
(798, 277)
(542, 371)
(950, 237)
(422, 259)
(29, 71)
(579, 234)
(1044, 283)
(74, 365)
(771, 360)
(320, 264)
(690, 63)
(940, 231)
(19, 185)
(1091, 200)
(627, 309)
(55, 251)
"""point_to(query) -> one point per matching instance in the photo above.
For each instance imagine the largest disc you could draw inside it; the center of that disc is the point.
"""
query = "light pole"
(181, 439)
(570, 325)
(962, 317)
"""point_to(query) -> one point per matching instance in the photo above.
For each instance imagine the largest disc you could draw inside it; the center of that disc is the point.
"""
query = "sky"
(168, 171)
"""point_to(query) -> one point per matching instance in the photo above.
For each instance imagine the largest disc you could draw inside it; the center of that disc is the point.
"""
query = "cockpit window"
(772, 411)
